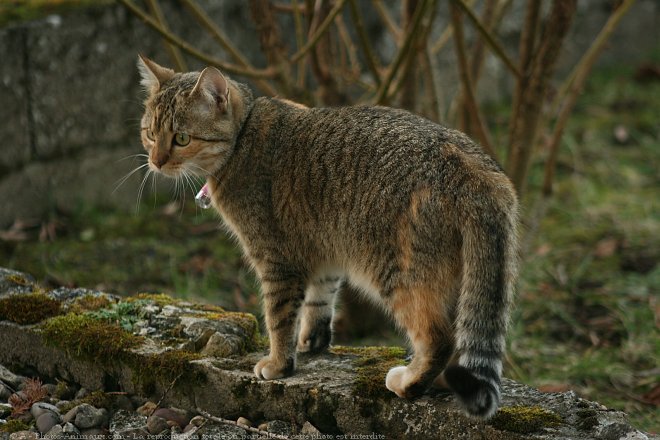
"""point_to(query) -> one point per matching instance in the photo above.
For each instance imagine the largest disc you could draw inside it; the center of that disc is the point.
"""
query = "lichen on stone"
(248, 323)
(372, 365)
(29, 308)
(524, 419)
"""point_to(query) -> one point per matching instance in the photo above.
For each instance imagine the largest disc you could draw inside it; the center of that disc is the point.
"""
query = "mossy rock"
(524, 419)
(372, 365)
(89, 338)
(89, 303)
(29, 308)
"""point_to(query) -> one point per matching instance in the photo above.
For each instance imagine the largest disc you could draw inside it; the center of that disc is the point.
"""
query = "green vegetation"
(28, 308)
(87, 337)
(524, 419)
(587, 308)
(14, 425)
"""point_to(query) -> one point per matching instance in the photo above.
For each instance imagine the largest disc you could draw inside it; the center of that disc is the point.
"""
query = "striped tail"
(489, 264)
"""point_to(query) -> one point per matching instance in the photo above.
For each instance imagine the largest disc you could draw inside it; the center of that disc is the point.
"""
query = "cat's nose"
(160, 160)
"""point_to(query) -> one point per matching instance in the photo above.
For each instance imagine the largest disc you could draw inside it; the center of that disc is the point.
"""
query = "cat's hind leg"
(315, 331)
(420, 311)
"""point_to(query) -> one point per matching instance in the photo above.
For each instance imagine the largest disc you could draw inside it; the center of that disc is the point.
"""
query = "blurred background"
(565, 94)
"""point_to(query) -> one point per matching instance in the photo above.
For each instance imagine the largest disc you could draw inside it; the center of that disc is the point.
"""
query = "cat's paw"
(315, 339)
(403, 383)
(269, 369)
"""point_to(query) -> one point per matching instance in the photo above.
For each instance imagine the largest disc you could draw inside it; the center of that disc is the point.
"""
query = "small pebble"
(90, 417)
(71, 414)
(47, 420)
(244, 421)
(156, 424)
(56, 432)
(147, 409)
(40, 408)
(70, 429)
(310, 430)
(263, 426)
(176, 415)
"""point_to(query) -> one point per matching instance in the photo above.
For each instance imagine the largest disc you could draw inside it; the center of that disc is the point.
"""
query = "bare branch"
(385, 16)
(582, 71)
(211, 61)
(300, 38)
(466, 81)
(383, 91)
(318, 33)
(494, 45)
(223, 41)
(525, 127)
(175, 53)
(369, 56)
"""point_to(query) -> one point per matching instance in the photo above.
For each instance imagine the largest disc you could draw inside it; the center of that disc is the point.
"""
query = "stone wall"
(70, 99)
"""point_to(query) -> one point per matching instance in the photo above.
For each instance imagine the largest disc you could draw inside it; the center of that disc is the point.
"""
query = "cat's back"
(370, 144)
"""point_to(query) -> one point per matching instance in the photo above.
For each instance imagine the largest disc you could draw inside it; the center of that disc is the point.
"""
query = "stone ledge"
(341, 392)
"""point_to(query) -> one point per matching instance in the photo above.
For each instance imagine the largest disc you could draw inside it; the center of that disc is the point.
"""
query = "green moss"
(87, 337)
(89, 303)
(97, 399)
(160, 299)
(14, 425)
(372, 365)
(524, 419)
(28, 308)
(166, 367)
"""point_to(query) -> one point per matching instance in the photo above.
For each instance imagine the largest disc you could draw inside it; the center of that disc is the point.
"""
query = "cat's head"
(190, 120)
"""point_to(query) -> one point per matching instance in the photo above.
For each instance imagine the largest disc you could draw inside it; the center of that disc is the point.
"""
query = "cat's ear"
(212, 85)
(153, 75)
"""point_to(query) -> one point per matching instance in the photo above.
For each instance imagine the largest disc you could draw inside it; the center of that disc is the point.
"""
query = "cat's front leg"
(283, 294)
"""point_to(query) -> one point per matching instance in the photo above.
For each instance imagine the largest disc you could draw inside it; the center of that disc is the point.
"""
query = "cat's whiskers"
(141, 189)
(123, 180)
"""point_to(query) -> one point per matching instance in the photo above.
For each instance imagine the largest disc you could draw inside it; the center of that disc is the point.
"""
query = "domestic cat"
(415, 215)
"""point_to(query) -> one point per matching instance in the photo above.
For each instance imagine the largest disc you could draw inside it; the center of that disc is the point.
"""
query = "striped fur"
(414, 214)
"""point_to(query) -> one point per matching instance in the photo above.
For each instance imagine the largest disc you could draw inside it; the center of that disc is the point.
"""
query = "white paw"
(396, 379)
(267, 369)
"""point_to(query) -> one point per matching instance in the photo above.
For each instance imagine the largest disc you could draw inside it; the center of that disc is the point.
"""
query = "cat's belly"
(356, 277)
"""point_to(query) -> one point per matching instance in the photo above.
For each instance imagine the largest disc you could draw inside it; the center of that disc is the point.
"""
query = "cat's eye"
(182, 139)
(150, 134)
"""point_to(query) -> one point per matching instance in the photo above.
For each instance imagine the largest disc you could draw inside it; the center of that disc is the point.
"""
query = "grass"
(587, 313)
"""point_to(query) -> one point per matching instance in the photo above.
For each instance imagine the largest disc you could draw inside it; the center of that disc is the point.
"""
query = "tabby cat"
(413, 214)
